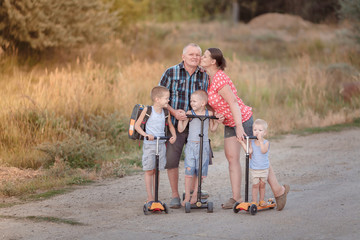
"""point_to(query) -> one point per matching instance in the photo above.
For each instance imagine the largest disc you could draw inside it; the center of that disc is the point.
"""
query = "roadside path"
(323, 171)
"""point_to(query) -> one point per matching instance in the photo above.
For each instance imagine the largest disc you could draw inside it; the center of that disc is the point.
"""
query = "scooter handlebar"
(160, 138)
(200, 116)
(250, 137)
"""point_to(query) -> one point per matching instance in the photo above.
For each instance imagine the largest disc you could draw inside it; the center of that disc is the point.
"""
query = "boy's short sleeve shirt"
(218, 103)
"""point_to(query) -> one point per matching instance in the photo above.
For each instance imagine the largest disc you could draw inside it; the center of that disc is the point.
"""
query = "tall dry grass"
(38, 106)
(294, 97)
(291, 84)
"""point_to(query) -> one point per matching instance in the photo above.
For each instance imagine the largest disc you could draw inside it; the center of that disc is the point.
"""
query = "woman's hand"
(240, 133)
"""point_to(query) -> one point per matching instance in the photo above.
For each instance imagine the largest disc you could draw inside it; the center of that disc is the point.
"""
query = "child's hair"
(261, 122)
(157, 92)
(202, 94)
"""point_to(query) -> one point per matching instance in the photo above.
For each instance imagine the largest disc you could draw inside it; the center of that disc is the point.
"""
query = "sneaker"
(175, 203)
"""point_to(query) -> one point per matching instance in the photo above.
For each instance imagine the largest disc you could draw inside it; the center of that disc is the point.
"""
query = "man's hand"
(180, 114)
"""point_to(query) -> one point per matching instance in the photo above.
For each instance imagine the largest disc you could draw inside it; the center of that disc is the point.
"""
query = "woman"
(238, 122)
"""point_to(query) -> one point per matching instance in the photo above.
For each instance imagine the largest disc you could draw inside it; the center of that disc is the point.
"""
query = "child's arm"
(213, 123)
(243, 144)
(172, 131)
(250, 148)
(264, 147)
(183, 123)
(138, 123)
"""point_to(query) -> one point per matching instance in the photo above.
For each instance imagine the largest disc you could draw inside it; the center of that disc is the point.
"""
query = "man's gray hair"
(191, 45)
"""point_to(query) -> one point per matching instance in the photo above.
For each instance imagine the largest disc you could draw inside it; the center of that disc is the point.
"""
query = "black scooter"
(247, 206)
(200, 203)
(156, 206)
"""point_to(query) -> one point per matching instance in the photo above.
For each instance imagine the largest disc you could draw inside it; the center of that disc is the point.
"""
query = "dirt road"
(323, 171)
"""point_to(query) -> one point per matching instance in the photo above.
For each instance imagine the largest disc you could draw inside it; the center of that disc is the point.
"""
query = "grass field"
(66, 116)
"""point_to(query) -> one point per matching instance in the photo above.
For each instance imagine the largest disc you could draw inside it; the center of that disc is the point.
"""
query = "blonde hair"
(261, 122)
(157, 92)
(202, 94)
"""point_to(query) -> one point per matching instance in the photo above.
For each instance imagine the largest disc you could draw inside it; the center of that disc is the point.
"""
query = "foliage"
(128, 12)
(79, 150)
(351, 9)
(169, 10)
(29, 25)
(315, 11)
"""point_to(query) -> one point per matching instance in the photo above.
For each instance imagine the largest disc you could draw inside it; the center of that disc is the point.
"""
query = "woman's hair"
(219, 57)
(157, 92)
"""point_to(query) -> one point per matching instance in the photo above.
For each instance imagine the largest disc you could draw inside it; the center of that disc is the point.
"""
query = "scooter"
(247, 206)
(156, 206)
(200, 203)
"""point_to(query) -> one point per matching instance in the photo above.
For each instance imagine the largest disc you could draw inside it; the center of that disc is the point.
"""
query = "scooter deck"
(156, 206)
(245, 206)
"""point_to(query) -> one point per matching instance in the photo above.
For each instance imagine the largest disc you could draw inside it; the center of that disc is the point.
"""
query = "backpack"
(138, 108)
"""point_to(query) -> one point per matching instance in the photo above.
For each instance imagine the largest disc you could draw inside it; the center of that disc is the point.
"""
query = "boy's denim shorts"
(148, 157)
(248, 128)
(192, 156)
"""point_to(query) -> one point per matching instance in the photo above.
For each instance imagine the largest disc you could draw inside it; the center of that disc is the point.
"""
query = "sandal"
(229, 204)
(262, 203)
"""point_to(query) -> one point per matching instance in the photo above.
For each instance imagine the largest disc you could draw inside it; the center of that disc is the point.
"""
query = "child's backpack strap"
(146, 117)
(193, 113)
(166, 130)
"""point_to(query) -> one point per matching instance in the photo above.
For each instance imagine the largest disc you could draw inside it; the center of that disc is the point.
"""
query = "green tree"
(350, 9)
(38, 25)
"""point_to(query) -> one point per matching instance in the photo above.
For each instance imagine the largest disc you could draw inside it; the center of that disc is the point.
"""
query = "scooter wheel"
(210, 207)
(187, 207)
(146, 209)
(166, 208)
(234, 207)
(253, 209)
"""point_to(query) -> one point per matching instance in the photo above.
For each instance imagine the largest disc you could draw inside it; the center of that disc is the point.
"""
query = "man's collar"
(182, 65)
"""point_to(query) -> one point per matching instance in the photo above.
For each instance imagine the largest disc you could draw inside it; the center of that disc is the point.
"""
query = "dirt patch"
(279, 21)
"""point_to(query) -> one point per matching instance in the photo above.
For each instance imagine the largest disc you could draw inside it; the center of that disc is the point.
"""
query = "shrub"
(39, 25)
(78, 149)
(350, 9)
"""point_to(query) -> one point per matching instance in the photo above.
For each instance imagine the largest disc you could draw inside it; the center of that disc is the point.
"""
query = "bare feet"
(193, 199)
(186, 199)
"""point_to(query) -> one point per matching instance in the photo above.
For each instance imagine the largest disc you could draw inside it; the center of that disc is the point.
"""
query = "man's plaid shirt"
(181, 85)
